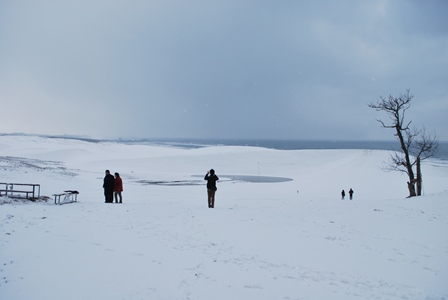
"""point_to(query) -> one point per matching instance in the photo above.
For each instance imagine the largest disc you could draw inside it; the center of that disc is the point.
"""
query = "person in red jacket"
(118, 188)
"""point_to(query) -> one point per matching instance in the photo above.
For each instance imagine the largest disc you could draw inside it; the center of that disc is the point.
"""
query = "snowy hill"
(291, 239)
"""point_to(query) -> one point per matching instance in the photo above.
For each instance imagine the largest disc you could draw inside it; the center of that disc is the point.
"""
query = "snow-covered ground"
(291, 239)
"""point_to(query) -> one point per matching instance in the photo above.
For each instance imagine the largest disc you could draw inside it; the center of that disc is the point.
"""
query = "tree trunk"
(411, 187)
(419, 178)
(410, 172)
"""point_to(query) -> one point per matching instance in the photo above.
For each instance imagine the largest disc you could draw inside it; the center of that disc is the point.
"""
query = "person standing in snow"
(343, 194)
(118, 187)
(108, 186)
(211, 187)
(351, 194)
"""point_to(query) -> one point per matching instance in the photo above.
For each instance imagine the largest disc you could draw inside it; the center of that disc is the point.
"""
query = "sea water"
(441, 154)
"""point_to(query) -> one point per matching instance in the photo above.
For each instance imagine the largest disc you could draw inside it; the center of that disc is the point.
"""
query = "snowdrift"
(292, 238)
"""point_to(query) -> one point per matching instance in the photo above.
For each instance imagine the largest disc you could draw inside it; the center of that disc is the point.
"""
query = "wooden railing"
(12, 189)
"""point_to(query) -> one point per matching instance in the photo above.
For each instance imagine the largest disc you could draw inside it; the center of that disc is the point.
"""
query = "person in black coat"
(211, 187)
(108, 185)
(351, 194)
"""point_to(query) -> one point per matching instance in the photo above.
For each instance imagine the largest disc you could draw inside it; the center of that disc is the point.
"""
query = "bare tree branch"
(416, 145)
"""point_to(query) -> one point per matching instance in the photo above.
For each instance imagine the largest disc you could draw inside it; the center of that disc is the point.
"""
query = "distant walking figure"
(351, 194)
(118, 187)
(108, 186)
(343, 194)
(211, 187)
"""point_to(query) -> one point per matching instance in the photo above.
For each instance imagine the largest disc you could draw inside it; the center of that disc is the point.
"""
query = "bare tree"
(416, 144)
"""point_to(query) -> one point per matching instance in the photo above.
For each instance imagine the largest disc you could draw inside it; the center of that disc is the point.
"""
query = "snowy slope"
(286, 240)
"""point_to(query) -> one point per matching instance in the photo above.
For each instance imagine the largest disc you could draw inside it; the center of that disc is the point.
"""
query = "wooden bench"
(20, 188)
(69, 197)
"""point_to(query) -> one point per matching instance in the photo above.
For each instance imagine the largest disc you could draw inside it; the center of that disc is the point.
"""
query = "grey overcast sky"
(258, 69)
